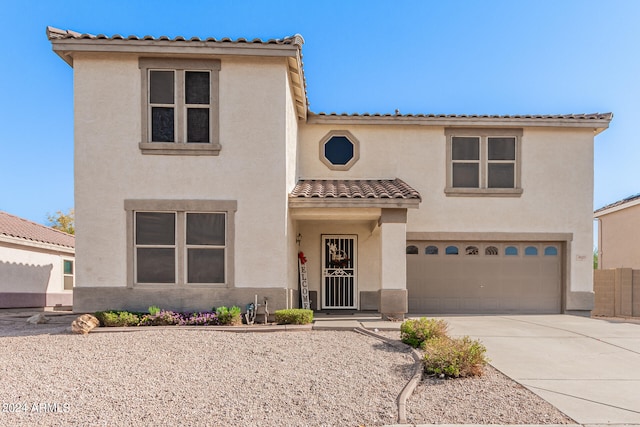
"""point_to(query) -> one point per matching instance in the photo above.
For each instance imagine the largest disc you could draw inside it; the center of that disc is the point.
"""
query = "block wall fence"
(617, 292)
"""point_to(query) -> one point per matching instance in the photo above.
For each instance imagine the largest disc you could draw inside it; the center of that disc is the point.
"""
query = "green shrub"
(117, 318)
(454, 357)
(294, 316)
(229, 316)
(154, 310)
(162, 318)
(415, 331)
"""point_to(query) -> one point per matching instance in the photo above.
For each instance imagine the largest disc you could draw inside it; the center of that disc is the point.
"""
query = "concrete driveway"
(587, 368)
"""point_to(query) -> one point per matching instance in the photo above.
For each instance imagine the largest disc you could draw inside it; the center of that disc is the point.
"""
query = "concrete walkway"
(587, 368)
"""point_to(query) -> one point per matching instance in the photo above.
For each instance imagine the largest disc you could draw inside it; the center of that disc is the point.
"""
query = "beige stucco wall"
(32, 271)
(557, 182)
(251, 167)
(291, 173)
(619, 235)
(265, 149)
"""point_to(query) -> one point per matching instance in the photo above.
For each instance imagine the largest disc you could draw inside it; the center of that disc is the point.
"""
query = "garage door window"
(531, 251)
(491, 250)
(550, 251)
(451, 250)
(471, 250)
(511, 250)
(431, 250)
(412, 250)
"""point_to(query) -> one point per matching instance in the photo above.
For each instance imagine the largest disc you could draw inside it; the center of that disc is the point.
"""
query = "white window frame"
(72, 275)
(483, 136)
(180, 146)
(181, 208)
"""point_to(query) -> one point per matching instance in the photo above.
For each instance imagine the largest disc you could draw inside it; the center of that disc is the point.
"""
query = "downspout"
(599, 243)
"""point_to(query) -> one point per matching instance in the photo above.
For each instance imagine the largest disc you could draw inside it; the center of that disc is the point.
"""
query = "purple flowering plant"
(158, 317)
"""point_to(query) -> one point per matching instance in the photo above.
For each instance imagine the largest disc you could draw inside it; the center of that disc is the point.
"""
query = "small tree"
(595, 259)
(63, 222)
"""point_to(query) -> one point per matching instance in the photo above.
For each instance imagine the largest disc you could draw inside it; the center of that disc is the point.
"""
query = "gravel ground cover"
(201, 377)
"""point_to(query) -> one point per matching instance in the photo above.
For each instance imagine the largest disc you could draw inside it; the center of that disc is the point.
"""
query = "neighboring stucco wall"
(33, 277)
(250, 169)
(619, 236)
(557, 182)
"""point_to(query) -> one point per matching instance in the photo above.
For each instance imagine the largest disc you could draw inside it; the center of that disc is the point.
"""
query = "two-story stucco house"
(201, 174)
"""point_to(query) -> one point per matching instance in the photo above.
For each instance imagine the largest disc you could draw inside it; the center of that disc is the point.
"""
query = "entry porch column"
(393, 265)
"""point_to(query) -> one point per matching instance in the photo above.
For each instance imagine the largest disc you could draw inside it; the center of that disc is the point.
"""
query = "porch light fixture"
(298, 239)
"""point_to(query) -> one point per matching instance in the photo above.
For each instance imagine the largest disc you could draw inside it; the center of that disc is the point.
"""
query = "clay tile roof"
(57, 34)
(579, 117)
(13, 226)
(355, 189)
(622, 202)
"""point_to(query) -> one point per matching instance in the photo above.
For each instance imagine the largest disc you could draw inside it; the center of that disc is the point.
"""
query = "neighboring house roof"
(15, 229)
(355, 192)
(619, 205)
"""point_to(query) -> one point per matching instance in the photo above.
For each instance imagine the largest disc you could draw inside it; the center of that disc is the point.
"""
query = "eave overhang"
(44, 246)
(597, 121)
(615, 207)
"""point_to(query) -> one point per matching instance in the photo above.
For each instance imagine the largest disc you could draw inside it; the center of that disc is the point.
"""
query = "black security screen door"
(339, 271)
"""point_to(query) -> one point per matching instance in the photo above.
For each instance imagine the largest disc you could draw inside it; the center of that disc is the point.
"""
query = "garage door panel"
(482, 282)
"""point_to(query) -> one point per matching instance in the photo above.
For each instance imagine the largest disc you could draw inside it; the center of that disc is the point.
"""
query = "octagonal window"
(339, 150)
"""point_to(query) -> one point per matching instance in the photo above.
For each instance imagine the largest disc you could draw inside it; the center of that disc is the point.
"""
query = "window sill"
(180, 149)
(180, 285)
(482, 192)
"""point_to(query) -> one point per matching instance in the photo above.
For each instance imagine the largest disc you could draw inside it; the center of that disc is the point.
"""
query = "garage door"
(463, 277)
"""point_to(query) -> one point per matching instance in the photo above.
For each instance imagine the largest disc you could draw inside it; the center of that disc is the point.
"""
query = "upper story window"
(180, 106)
(483, 162)
(339, 150)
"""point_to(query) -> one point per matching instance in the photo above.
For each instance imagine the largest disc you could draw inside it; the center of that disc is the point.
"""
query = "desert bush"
(454, 357)
(162, 318)
(294, 316)
(229, 316)
(154, 310)
(117, 318)
(415, 331)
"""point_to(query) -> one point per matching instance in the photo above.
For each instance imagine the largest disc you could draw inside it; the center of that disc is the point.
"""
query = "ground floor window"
(68, 276)
(181, 242)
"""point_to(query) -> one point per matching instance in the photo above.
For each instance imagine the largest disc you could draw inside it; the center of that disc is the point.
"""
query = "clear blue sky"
(451, 57)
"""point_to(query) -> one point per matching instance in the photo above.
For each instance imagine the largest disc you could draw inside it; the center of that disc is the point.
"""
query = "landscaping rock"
(37, 319)
(84, 324)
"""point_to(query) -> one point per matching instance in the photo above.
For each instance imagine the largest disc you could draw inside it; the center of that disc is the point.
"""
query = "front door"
(339, 271)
